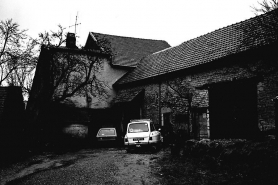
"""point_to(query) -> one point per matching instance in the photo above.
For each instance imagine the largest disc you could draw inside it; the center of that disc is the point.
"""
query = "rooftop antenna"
(76, 24)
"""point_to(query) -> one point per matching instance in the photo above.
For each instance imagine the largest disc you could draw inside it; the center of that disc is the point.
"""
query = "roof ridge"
(127, 37)
(205, 47)
(163, 50)
(231, 25)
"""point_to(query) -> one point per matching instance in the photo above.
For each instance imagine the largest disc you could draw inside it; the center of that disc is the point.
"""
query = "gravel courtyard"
(90, 166)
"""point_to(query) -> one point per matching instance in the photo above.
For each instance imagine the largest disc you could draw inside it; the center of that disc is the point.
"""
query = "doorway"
(233, 109)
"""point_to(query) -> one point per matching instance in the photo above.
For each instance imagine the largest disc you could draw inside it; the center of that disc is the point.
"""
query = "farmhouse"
(218, 85)
(73, 86)
(125, 53)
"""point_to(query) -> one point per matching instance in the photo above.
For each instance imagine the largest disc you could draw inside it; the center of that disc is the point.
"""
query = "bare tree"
(10, 48)
(23, 74)
(62, 73)
(75, 74)
(179, 96)
(18, 56)
(52, 38)
(73, 71)
(182, 98)
(265, 6)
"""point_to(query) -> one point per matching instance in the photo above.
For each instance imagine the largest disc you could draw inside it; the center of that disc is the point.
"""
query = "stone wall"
(158, 93)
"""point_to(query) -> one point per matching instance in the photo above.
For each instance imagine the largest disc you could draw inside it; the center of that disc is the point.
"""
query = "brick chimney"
(71, 40)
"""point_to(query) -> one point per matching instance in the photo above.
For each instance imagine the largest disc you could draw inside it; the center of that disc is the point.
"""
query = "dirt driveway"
(90, 166)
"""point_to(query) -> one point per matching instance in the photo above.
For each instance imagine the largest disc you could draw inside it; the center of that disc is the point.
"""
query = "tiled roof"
(127, 51)
(127, 96)
(229, 40)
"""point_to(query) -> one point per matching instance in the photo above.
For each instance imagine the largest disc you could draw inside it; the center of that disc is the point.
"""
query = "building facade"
(73, 86)
(218, 85)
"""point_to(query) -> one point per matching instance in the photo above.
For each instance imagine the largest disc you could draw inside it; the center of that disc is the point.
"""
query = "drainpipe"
(190, 122)
(159, 103)
(276, 116)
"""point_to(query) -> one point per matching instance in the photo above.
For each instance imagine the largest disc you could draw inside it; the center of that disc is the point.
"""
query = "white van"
(140, 133)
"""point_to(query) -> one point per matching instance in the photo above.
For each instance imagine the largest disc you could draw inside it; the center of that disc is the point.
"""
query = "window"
(138, 127)
(107, 132)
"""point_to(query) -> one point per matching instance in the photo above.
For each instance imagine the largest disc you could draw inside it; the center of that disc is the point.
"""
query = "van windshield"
(138, 127)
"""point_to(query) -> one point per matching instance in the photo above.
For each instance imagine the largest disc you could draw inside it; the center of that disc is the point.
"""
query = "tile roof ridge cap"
(163, 50)
(128, 37)
(92, 35)
(131, 66)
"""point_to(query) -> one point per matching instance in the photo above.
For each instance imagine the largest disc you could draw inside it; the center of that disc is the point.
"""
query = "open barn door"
(233, 109)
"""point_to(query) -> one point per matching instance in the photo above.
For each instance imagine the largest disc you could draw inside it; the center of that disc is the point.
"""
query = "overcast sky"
(174, 21)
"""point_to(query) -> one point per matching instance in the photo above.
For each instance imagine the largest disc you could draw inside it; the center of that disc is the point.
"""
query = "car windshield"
(138, 127)
(107, 132)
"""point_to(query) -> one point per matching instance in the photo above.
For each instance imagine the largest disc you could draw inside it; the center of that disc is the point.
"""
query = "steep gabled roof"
(127, 51)
(232, 39)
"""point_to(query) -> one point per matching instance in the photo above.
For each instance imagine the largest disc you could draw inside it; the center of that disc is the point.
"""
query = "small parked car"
(107, 136)
(142, 133)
